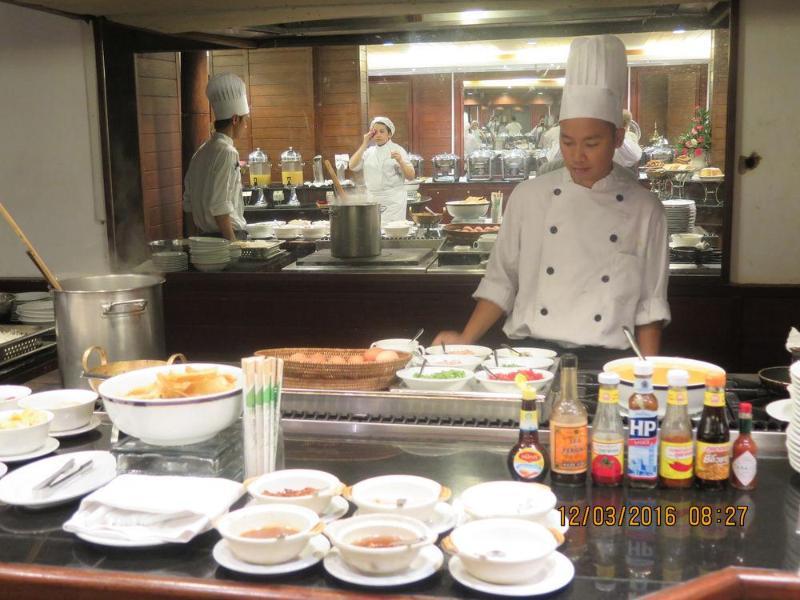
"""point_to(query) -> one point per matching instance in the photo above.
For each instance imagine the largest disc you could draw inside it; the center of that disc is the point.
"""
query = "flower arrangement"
(698, 138)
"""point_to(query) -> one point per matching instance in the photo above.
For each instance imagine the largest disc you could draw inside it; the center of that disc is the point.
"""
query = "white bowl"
(11, 394)
(398, 345)
(23, 439)
(508, 499)
(532, 352)
(379, 561)
(510, 387)
(407, 495)
(175, 421)
(396, 229)
(460, 349)
(325, 224)
(288, 232)
(71, 408)
(412, 186)
(409, 377)
(327, 486)
(260, 230)
(503, 551)
(525, 362)
(451, 361)
(462, 210)
(314, 233)
(268, 551)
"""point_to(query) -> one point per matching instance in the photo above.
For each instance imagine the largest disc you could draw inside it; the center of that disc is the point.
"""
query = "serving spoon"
(632, 342)
(514, 350)
(419, 333)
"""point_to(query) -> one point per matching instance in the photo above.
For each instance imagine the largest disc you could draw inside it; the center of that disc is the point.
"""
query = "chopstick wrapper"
(146, 507)
(261, 398)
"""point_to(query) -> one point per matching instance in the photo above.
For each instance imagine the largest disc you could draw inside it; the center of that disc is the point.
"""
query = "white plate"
(23, 297)
(780, 410)
(16, 489)
(428, 561)
(558, 573)
(335, 511)
(93, 423)
(318, 546)
(49, 446)
(3, 469)
(120, 543)
(444, 518)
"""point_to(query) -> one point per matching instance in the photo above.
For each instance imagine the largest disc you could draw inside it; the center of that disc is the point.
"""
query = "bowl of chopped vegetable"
(501, 379)
(441, 379)
(522, 362)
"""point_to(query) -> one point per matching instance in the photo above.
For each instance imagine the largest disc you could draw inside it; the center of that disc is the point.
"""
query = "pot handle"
(177, 358)
(88, 353)
(136, 307)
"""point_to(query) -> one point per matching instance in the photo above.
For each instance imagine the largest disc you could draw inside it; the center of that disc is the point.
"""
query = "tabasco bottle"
(526, 460)
(676, 456)
(743, 466)
(713, 463)
(643, 429)
(608, 434)
(569, 429)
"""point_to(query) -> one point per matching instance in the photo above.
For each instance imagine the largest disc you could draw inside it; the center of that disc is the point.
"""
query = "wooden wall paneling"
(432, 116)
(391, 97)
(236, 62)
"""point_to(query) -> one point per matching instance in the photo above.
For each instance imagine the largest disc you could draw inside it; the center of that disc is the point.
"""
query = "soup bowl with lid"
(407, 495)
(288, 530)
(285, 487)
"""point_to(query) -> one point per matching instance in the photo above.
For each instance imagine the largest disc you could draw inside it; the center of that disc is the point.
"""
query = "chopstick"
(32, 253)
(336, 184)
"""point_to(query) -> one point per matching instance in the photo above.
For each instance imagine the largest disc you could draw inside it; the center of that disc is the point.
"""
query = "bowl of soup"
(379, 544)
(23, 431)
(697, 370)
(302, 487)
(269, 534)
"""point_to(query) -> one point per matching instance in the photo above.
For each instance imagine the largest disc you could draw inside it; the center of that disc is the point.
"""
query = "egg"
(371, 354)
(356, 359)
(317, 358)
(336, 360)
(387, 356)
(299, 357)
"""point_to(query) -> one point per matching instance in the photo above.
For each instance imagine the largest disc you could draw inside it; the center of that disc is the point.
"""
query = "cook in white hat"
(213, 185)
(583, 249)
(386, 168)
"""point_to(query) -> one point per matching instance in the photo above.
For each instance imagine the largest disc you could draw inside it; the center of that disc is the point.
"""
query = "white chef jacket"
(385, 180)
(513, 128)
(213, 185)
(573, 264)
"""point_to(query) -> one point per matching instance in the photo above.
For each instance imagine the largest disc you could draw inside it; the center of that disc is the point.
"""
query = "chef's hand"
(397, 156)
(368, 136)
(449, 337)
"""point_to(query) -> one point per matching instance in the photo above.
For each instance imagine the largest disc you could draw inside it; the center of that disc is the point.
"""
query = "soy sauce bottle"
(526, 459)
(713, 462)
(569, 430)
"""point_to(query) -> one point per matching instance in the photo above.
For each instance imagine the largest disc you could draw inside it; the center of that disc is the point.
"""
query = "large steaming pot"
(355, 229)
(122, 313)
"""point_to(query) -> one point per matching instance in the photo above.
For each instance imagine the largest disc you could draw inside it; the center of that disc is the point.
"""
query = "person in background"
(513, 128)
(583, 249)
(472, 138)
(386, 168)
(212, 193)
(536, 133)
(550, 139)
(630, 153)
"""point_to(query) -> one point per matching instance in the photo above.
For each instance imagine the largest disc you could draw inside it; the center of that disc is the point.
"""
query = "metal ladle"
(632, 342)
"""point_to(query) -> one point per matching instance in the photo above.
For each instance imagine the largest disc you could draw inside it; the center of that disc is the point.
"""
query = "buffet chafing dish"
(417, 162)
(445, 167)
(479, 164)
(515, 165)
(659, 149)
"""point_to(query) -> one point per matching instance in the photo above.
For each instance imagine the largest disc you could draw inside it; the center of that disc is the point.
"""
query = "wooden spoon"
(336, 184)
(32, 253)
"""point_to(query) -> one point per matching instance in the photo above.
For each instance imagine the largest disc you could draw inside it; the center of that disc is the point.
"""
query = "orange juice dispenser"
(291, 167)
(260, 168)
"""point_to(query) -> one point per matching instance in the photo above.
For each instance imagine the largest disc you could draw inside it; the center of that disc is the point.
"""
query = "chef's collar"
(225, 138)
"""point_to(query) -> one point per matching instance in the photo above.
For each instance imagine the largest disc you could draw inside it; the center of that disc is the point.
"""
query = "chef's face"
(239, 125)
(382, 134)
(587, 146)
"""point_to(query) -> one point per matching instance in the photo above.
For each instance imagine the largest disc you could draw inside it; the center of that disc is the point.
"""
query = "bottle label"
(677, 397)
(714, 398)
(744, 468)
(528, 420)
(570, 448)
(607, 460)
(713, 461)
(676, 460)
(528, 463)
(643, 444)
(609, 396)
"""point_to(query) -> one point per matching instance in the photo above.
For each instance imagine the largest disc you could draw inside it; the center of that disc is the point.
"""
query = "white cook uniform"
(573, 264)
(385, 180)
(213, 185)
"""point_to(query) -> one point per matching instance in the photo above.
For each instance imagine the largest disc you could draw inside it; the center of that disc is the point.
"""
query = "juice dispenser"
(260, 168)
(291, 167)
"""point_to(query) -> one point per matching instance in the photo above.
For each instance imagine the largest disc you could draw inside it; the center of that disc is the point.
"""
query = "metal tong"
(64, 473)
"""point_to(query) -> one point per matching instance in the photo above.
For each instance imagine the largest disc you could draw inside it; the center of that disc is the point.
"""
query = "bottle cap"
(745, 408)
(642, 367)
(608, 378)
(715, 379)
(678, 377)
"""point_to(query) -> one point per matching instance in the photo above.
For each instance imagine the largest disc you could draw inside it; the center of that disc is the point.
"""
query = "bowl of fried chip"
(174, 405)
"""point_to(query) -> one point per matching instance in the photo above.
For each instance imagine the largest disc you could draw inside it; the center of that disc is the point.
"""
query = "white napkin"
(793, 341)
(146, 507)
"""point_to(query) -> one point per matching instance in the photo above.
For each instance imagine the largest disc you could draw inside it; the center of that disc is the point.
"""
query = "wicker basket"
(457, 234)
(368, 376)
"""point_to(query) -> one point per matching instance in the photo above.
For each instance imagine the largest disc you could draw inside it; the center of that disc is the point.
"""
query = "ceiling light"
(679, 31)
(388, 43)
(470, 17)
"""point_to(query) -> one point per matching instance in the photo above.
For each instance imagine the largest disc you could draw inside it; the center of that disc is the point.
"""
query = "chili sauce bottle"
(713, 463)
(745, 451)
(608, 434)
(526, 459)
(676, 454)
(569, 429)
(643, 429)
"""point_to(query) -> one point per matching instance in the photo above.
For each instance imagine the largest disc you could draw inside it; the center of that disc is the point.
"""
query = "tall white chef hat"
(597, 77)
(386, 121)
(228, 96)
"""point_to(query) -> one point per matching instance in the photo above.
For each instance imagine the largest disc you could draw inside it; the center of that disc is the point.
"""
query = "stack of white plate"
(168, 262)
(793, 431)
(37, 311)
(235, 253)
(209, 254)
(680, 215)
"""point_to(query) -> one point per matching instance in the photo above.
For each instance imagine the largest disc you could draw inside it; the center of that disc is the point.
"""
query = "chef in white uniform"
(386, 168)
(212, 196)
(583, 249)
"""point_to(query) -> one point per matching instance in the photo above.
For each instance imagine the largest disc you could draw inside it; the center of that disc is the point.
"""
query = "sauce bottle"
(643, 429)
(608, 434)
(526, 460)
(569, 429)
(713, 464)
(744, 464)
(676, 456)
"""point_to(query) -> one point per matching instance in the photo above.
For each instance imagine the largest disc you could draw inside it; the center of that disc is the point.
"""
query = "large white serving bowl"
(661, 364)
(532, 352)
(328, 486)
(523, 362)
(460, 350)
(10, 395)
(502, 551)
(510, 387)
(71, 408)
(450, 361)
(268, 551)
(173, 421)
(508, 499)
(407, 495)
(24, 439)
(409, 377)
(379, 561)
(467, 210)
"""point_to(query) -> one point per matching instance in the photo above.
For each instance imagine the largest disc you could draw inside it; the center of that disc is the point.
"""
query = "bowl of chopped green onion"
(440, 379)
